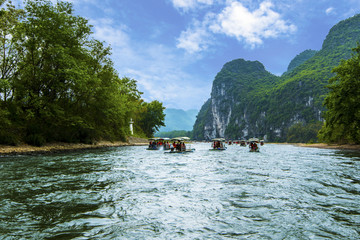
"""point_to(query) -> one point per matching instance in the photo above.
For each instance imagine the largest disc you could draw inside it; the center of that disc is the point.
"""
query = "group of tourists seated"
(178, 146)
(253, 146)
(153, 145)
(217, 144)
(158, 144)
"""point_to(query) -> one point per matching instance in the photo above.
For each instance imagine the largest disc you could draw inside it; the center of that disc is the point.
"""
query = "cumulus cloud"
(235, 20)
(252, 27)
(194, 39)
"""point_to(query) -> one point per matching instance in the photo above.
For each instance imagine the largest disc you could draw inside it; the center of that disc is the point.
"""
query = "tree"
(151, 117)
(59, 84)
(52, 69)
(9, 48)
(343, 115)
(303, 133)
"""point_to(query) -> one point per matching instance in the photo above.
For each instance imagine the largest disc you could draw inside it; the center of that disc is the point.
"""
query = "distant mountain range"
(246, 100)
(178, 119)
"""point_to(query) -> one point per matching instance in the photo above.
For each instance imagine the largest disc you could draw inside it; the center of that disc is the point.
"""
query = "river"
(282, 192)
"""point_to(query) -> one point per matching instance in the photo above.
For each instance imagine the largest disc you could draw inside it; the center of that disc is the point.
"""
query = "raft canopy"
(185, 138)
(164, 139)
(157, 139)
(218, 140)
(154, 139)
(176, 139)
(253, 140)
(181, 139)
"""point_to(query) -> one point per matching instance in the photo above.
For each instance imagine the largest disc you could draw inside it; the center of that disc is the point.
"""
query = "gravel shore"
(63, 147)
(330, 146)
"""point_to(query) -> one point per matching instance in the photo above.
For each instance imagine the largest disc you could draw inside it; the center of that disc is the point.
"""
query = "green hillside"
(300, 59)
(248, 101)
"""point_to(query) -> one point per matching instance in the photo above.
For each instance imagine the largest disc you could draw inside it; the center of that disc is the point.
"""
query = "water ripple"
(283, 192)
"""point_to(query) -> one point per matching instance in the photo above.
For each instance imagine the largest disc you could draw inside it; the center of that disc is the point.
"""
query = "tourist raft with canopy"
(254, 145)
(242, 143)
(159, 144)
(180, 145)
(218, 144)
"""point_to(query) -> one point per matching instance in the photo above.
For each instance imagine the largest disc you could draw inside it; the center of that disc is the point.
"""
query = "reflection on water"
(283, 192)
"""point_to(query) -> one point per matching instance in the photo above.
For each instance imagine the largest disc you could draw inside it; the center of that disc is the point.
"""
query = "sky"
(175, 48)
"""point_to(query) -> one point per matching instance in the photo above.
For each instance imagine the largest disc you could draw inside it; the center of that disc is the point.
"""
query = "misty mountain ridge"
(178, 119)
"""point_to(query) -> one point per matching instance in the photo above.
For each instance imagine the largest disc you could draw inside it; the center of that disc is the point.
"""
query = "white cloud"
(235, 20)
(330, 11)
(194, 39)
(190, 4)
(156, 68)
(106, 30)
(160, 75)
(117, 36)
(176, 89)
(252, 27)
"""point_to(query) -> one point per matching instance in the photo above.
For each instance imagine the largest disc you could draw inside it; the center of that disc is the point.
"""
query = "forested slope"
(247, 104)
(57, 83)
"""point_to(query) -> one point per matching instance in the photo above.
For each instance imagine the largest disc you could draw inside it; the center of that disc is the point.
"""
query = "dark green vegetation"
(150, 118)
(248, 101)
(300, 59)
(59, 84)
(342, 120)
(300, 132)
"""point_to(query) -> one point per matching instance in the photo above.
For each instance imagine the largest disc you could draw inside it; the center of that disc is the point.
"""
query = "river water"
(282, 192)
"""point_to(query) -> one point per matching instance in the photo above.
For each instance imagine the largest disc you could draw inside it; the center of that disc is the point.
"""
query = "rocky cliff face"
(234, 88)
(248, 101)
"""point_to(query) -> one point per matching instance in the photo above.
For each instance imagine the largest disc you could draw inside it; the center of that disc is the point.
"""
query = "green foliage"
(35, 140)
(300, 59)
(201, 119)
(301, 133)
(8, 134)
(343, 114)
(61, 84)
(151, 117)
(258, 103)
(9, 48)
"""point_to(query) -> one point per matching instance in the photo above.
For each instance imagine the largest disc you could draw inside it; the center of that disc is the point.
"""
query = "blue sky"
(175, 48)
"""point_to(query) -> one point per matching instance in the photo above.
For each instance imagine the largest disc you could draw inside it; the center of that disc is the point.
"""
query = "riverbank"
(65, 147)
(25, 149)
(330, 146)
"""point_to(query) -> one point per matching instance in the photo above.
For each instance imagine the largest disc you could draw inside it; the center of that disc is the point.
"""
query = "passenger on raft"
(253, 146)
(218, 144)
